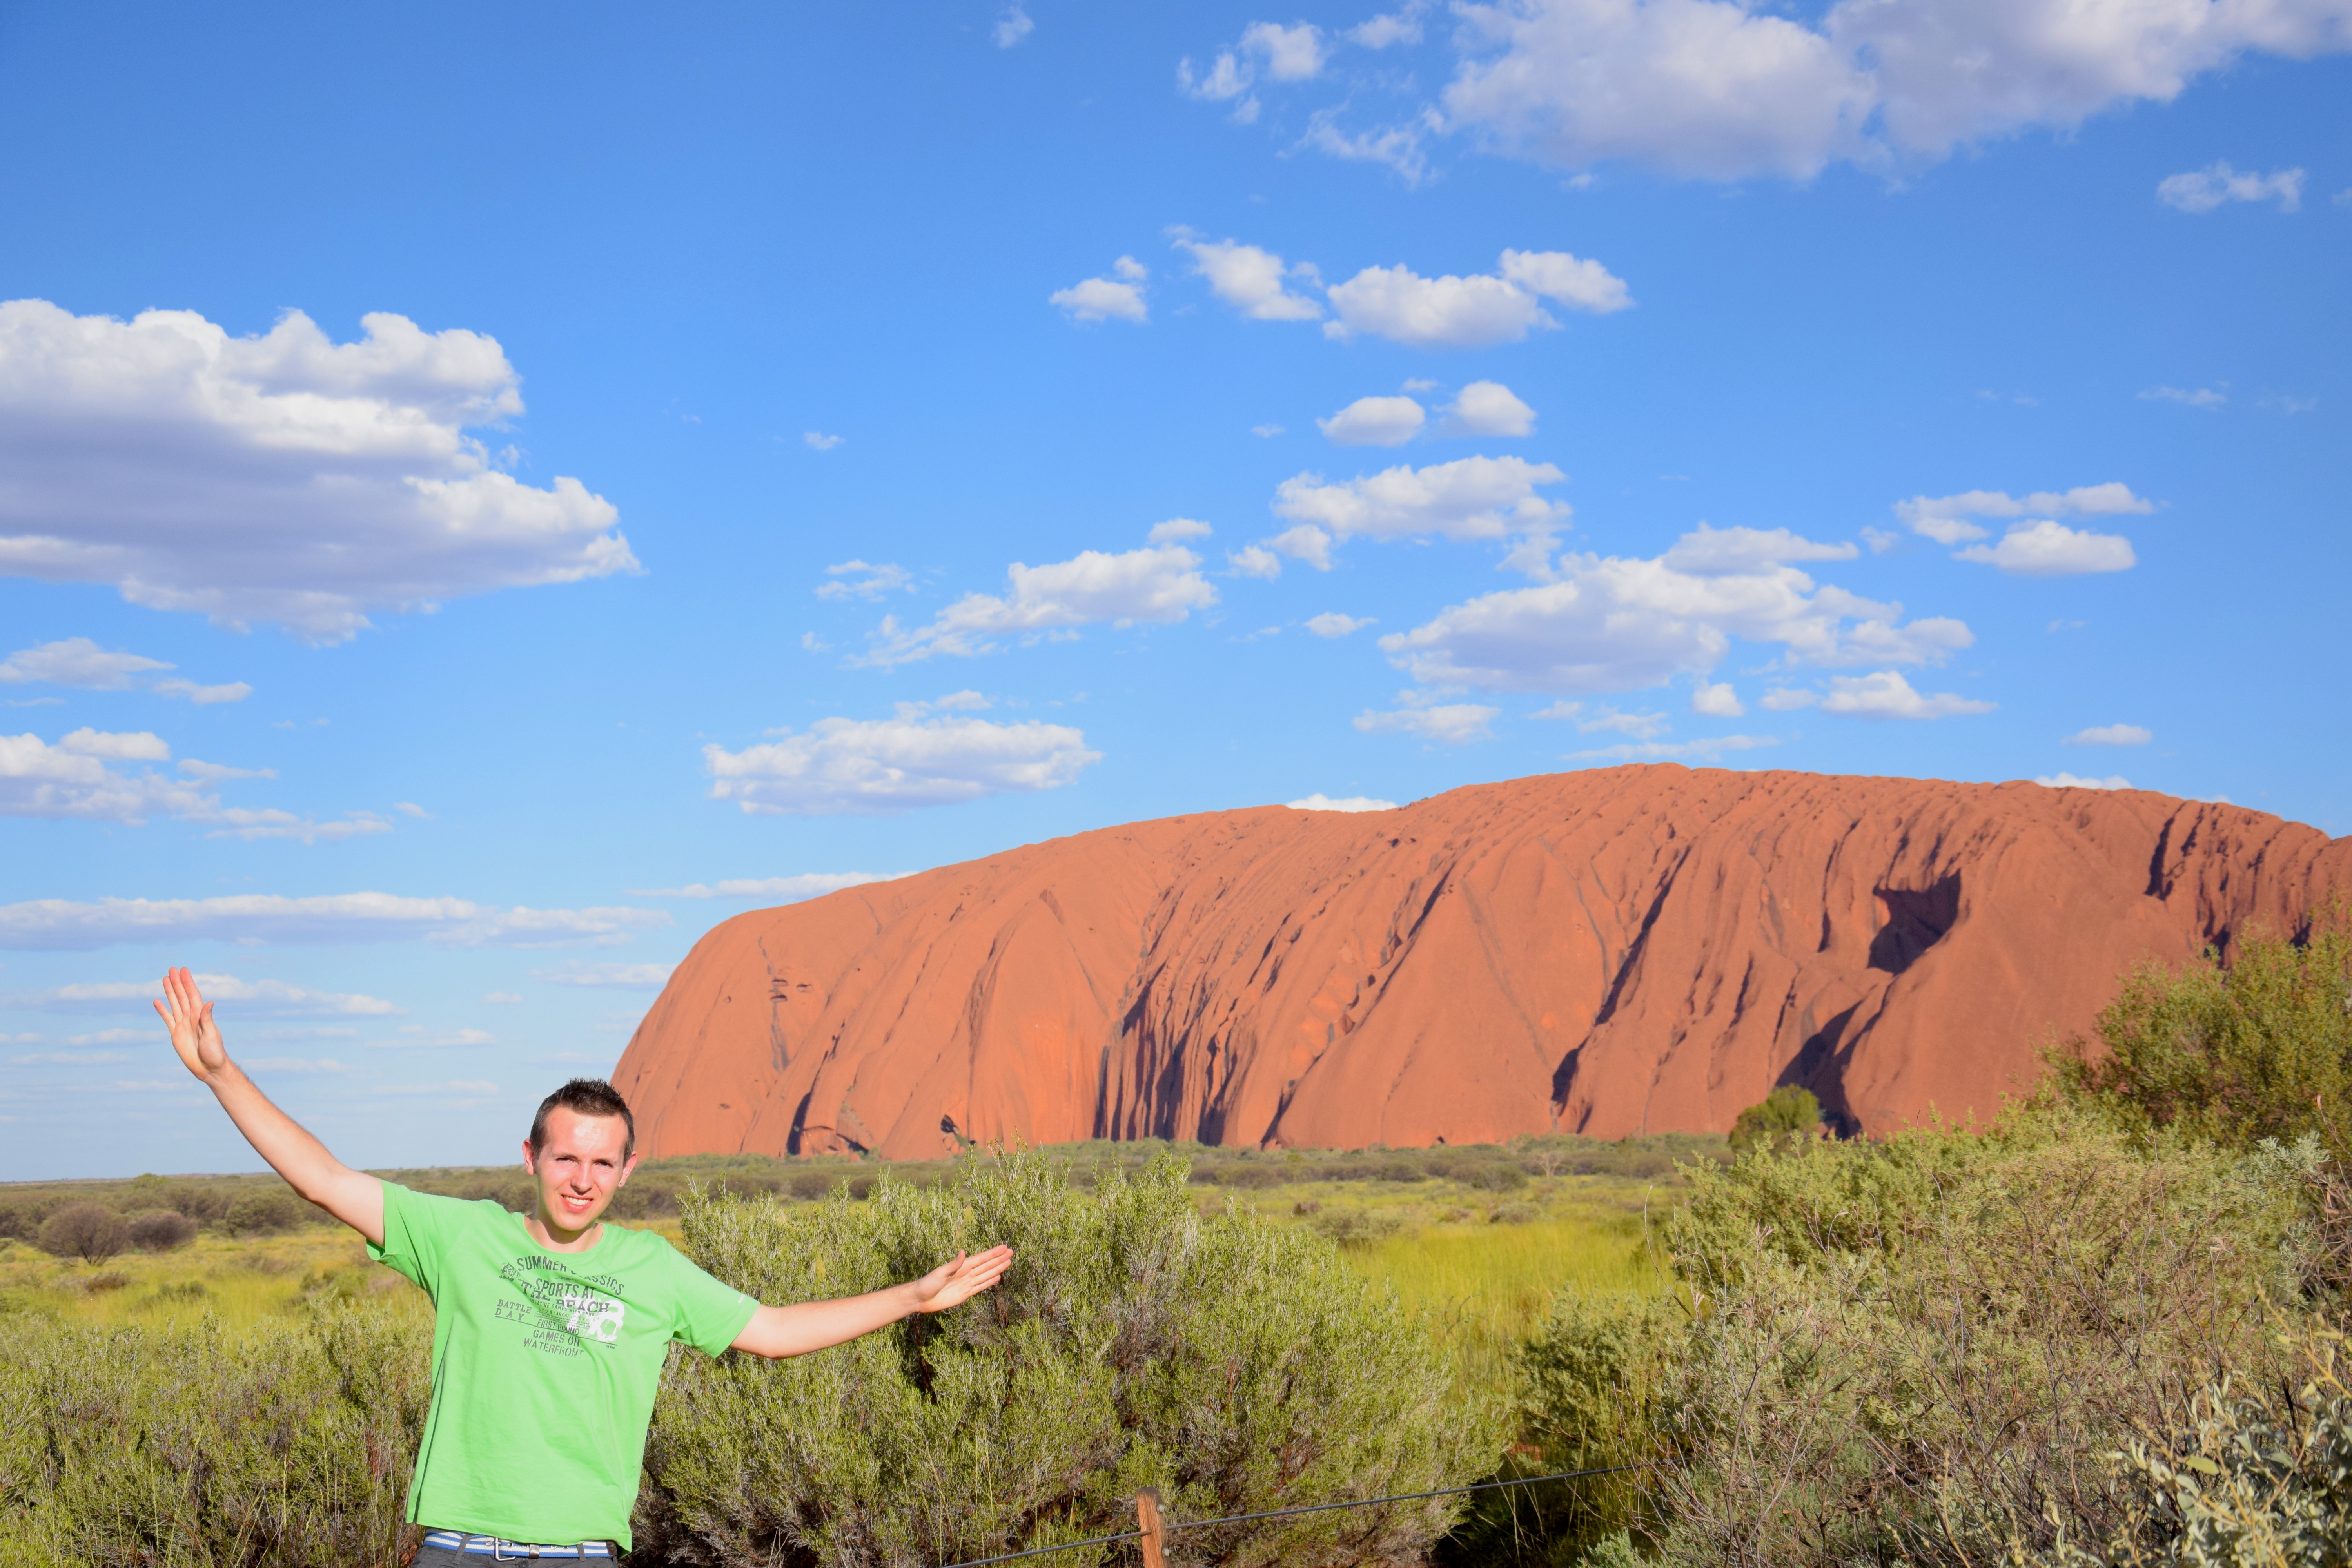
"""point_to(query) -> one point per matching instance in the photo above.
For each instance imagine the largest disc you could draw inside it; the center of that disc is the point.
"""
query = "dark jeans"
(442, 1557)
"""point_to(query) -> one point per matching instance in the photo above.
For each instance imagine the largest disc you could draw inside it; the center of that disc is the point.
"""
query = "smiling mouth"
(575, 1204)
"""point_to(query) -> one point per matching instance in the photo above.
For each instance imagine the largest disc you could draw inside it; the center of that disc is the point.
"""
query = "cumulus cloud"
(1708, 552)
(62, 925)
(1295, 53)
(1306, 542)
(1476, 311)
(79, 662)
(625, 977)
(1705, 750)
(283, 479)
(862, 580)
(1887, 695)
(1158, 583)
(1423, 715)
(2068, 781)
(1469, 498)
(1254, 561)
(1402, 25)
(1717, 701)
(1250, 279)
(74, 778)
(1613, 624)
(780, 889)
(1374, 422)
(2047, 549)
(253, 998)
(1318, 801)
(1946, 519)
(1013, 27)
(1176, 530)
(1718, 89)
(1488, 408)
(2111, 735)
(1117, 297)
(841, 766)
(2203, 190)
(1788, 699)
(818, 441)
(1331, 623)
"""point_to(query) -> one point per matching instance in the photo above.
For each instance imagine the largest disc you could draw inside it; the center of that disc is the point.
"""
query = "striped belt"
(500, 1551)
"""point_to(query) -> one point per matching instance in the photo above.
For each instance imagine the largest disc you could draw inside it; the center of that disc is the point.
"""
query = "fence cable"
(1176, 1524)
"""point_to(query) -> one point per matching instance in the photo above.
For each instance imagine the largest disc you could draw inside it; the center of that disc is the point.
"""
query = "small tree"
(257, 1213)
(160, 1230)
(1787, 1115)
(91, 1232)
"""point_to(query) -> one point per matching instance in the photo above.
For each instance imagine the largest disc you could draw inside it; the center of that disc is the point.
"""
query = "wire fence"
(1151, 1529)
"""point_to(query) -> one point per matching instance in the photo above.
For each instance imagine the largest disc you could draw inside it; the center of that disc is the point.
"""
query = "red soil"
(1637, 949)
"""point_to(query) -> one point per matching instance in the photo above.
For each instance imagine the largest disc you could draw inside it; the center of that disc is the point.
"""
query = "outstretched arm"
(779, 1332)
(352, 1196)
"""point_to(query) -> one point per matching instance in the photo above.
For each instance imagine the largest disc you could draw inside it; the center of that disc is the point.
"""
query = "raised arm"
(352, 1196)
(779, 1332)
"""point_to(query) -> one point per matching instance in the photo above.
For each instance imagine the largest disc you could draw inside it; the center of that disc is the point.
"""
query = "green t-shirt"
(544, 1366)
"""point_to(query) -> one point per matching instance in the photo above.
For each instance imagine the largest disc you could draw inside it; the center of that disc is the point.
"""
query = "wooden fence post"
(1147, 1519)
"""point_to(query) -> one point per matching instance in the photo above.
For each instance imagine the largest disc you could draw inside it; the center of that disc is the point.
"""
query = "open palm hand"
(189, 1016)
(953, 1284)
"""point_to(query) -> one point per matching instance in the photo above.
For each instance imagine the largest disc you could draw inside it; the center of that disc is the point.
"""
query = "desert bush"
(204, 1202)
(282, 1447)
(1356, 1227)
(2258, 1048)
(265, 1211)
(1904, 1352)
(91, 1232)
(160, 1230)
(1234, 1364)
(1785, 1118)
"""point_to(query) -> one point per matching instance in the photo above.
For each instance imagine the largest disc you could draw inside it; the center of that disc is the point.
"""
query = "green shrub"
(1786, 1117)
(283, 1447)
(1234, 1365)
(262, 1213)
(1356, 1227)
(160, 1230)
(91, 1232)
(2262, 1048)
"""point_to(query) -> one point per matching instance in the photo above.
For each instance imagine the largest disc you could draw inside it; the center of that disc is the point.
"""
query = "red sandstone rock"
(1638, 948)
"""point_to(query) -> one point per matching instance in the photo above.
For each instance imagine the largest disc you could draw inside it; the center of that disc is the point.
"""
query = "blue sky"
(420, 616)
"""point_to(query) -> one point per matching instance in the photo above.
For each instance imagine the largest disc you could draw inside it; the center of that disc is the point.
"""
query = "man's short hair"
(585, 1097)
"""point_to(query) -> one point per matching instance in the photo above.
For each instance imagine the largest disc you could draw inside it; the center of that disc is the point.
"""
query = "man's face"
(578, 1167)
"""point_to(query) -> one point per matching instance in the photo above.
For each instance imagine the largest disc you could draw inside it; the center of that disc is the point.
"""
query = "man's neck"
(556, 1239)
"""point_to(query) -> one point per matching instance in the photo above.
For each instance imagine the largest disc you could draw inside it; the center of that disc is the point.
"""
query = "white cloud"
(1254, 561)
(405, 808)
(1669, 750)
(1291, 54)
(2047, 549)
(455, 1088)
(2206, 398)
(284, 478)
(2111, 735)
(1318, 801)
(75, 661)
(293, 1064)
(1118, 297)
(1420, 714)
(778, 889)
(1476, 311)
(1787, 699)
(1469, 498)
(1160, 583)
(1707, 552)
(867, 766)
(212, 773)
(1266, 432)
(864, 580)
(72, 779)
(236, 822)
(625, 976)
(1881, 540)
(1640, 726)
(58, 924)
(252, 998)
(1333, 624)
(1488, 408)
(141, 747)
(1306, 542)
(1249, 278)
(204, 696)
(1718, 89)
(1402, 148)
(1887, 695)
(503, 998)
(1295, 53)
(1013, 27)
(1402, 25)
(1717, 702)
(1176, 530)
(2206, 188)
(1610, 623)
(1373, 422)
(2068, 781)
(1944, 518)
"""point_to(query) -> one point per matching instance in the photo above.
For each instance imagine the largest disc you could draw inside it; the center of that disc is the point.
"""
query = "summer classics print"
(544, 1366)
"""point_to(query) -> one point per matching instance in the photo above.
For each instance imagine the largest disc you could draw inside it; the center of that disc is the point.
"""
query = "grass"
(240, 1281)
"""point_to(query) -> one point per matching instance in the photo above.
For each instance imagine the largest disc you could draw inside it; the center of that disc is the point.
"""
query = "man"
(548, 1331)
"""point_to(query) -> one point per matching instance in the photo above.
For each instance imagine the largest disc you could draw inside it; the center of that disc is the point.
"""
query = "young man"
(548, 1331)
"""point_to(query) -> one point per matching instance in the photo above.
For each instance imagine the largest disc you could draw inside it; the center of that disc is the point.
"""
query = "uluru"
(1612, 951)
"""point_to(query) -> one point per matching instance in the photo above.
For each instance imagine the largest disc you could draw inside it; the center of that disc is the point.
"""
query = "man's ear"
(627, 1166)
(529, 1158)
